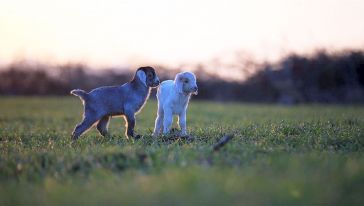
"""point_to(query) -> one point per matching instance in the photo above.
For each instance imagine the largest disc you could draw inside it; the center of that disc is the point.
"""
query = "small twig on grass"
(222, 142)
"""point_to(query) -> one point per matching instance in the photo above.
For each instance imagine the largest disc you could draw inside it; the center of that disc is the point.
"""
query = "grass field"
(302, 155)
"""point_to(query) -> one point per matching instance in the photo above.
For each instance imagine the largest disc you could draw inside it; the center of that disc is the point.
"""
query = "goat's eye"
(186, 81)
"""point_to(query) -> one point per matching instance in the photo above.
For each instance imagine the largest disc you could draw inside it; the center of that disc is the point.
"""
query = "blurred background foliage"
(322, 77)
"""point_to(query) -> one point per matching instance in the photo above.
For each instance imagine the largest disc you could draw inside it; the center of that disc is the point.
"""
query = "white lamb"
(173, 98)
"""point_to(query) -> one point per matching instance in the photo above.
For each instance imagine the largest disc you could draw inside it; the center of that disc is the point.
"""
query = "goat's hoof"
(136, 137)
(104, 134)
(74, 138)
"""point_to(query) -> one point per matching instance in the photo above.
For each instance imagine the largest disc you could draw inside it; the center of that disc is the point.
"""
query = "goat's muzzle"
(156, 82)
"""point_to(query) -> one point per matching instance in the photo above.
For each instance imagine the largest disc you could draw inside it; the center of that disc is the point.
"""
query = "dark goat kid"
(126, 100)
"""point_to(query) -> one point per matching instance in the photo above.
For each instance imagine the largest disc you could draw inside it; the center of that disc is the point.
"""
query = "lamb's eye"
(186, 81)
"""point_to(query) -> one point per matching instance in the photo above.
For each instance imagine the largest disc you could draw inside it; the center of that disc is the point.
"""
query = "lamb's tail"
(80, 93)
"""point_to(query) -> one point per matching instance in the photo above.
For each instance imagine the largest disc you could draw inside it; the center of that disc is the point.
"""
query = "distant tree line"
(322, 77)
(319, 78)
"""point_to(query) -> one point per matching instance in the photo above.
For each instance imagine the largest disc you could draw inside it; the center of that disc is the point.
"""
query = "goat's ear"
(142, 77)
(179, 83)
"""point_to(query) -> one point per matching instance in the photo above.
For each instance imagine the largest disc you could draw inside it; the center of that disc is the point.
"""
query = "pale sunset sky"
(117, 32)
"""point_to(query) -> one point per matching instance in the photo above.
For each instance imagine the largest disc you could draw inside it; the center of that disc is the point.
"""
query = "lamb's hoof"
(187, 137)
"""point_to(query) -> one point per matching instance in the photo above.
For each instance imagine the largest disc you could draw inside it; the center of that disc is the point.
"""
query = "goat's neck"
(140, 92)
(139, 87)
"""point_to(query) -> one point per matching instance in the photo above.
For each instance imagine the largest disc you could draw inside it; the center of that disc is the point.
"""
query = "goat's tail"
(80, 93)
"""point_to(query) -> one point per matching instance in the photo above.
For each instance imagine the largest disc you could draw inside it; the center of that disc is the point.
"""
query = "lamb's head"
(186, 83)
(148, 76)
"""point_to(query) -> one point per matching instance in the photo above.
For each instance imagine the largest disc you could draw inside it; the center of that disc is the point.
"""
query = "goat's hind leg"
(86, 123)
(102, 125)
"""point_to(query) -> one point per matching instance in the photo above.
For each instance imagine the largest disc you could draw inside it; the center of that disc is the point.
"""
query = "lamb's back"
(165, 90)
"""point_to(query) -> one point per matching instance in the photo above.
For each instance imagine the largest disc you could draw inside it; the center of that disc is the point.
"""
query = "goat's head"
(148, 76)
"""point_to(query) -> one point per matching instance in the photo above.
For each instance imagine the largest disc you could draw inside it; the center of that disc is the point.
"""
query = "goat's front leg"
(130, 124)
(167, 120)
(182, 122)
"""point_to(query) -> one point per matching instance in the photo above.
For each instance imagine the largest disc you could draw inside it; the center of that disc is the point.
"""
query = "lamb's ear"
(178, 82)
(142, 77)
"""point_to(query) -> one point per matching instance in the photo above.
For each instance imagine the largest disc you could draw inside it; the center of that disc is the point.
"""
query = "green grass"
(302, 155)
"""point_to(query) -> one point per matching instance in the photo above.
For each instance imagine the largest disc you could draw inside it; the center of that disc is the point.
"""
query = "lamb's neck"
(183, 98)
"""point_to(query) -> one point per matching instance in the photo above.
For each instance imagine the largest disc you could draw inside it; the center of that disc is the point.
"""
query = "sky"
(121, 32)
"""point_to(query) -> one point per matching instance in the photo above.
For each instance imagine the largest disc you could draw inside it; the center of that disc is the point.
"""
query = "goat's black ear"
(140, 68)
(146, 68)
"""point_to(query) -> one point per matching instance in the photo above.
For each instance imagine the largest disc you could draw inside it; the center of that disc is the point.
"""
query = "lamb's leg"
(167, 120)
(182, 122)
(86, 123)
(102, 125)
(158, 122)
(130, 124)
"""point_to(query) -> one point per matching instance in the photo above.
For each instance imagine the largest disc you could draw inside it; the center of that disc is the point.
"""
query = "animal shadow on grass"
(175, 134)
(147, 139)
